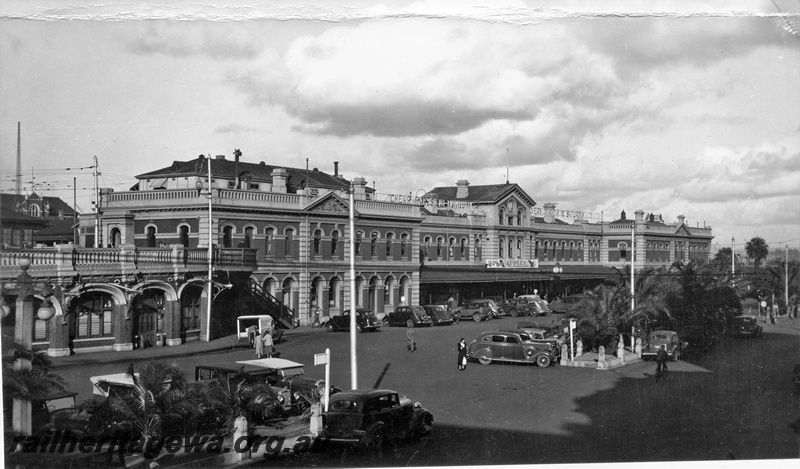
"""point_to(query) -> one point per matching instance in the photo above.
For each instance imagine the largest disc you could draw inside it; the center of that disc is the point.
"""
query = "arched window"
(93, 316)
(510, 248)
(500, 244)
(477, 248)
(439, 241)
(184, 235)
(151, 236)
(248, 236)
(623, 250)
(519, 217)
(463, 250)
(317, 241)
(358, 242)
(389, 244)
(501, 217)
(269, 237)
(190, 308)
(289, 241)
(403, 243)
(373, 246)
(519, 248)
(426, 248)
(227, 235)
(115, 237)
(334, 242)
(450, 245)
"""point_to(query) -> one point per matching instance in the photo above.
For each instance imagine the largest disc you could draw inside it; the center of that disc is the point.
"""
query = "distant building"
(28, 220)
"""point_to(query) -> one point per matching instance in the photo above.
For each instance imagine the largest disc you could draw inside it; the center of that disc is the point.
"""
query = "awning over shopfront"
(482, 274)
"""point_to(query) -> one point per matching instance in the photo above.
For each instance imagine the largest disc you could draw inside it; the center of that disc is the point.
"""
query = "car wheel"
(424, 425)
(484, 360)
(513, 313)
(410, 323)
(543, 361)
(476, 317)
(456, 318)
(330, 327)
(358, 328)
(385, 321)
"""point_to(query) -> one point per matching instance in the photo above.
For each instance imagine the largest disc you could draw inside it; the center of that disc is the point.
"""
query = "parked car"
(490, 305)
(746, 326)
(511, 346)
(57, 410)
(516, 307)
(371, 417)
(478, 311)
(536, 305)
(563, 305)
(410, 316)
(365, 321)
(439, 315)
(295, 391)
(542, 334)
(658, 338)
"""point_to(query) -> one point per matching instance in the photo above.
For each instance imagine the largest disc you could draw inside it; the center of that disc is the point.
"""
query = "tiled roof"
(491, 193)
(259, 172)
(12, 201)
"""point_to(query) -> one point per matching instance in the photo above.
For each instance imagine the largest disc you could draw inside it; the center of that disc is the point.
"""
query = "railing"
(279, 311)
(68, 260)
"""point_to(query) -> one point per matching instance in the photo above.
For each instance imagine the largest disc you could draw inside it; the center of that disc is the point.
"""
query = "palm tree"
(230, 398)
(778, 280)
(757, 249)
(160, 403)
(26, 383)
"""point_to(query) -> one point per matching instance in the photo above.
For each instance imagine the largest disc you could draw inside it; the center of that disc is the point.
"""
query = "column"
(23, 333)
(58, 328)
(172, 323)
(122, 323)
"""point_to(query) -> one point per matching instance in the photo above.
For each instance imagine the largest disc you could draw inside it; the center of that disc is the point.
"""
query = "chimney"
(220, 157)
(681, 219)
(359, 188)
(279, 180)
(335, 168)
(462, 191)
(236, 155)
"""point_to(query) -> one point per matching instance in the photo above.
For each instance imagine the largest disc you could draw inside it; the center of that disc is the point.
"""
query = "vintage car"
(746, 326)
(536, 306)
(371, 417)
(478, 311)
(562, 306)
(658, 338)
(490, 305)
(296, 392)
(365, 321)
(515, 307)
(542, 334)
(439, 315)
(410, 316)
(57, 410)
(511, 346)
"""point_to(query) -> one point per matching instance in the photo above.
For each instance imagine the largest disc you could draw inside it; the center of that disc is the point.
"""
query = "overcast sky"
(677, 108)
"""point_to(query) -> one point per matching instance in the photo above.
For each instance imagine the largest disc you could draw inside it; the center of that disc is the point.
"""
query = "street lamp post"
(23, 333)
(210, 297)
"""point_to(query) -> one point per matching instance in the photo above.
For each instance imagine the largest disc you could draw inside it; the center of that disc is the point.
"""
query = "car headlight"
(281, 400)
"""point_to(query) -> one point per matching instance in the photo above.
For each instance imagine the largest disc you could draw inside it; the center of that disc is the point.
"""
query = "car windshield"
(418, 309)
(344, 405)
(747, 320)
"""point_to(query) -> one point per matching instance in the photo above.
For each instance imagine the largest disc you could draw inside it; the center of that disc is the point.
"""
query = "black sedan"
(365, 321)
(439, 316)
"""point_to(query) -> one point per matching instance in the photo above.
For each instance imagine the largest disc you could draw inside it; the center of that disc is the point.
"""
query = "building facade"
(282, 236)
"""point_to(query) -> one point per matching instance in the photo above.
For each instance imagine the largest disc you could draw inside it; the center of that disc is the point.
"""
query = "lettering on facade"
(558, 213)
(443, 203)
(512, 263)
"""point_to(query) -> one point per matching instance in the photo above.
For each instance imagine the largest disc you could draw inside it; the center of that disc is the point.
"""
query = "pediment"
(683, 231)
(330, 203)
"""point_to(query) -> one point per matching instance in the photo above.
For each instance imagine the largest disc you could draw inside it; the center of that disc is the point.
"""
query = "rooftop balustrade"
(68, 260)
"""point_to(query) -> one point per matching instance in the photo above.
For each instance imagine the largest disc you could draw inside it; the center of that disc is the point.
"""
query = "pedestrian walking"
(462, 354)
(269, 346)
(259, 344)
(251, 335)
(412, 342)
(661, 363)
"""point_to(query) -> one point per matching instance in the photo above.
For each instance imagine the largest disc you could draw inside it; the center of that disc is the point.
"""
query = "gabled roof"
(8, 217)
(330, 203)
(258, 172)
(12, 201)
(486, 194)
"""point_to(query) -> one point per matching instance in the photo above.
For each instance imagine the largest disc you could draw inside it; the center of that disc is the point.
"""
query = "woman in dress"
(462, 354)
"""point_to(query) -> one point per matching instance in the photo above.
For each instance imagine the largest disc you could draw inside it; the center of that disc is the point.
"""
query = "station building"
(281, 236)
